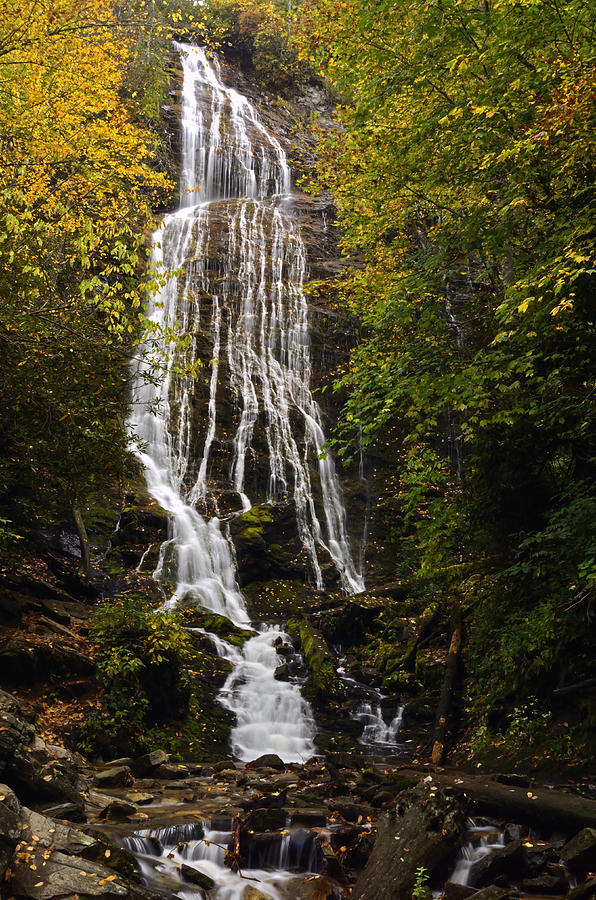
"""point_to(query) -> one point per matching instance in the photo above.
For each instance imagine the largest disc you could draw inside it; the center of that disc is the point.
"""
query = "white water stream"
(235, 172)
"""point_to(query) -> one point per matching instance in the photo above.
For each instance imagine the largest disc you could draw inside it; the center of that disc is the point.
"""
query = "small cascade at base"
(163, 855)
(377, 733)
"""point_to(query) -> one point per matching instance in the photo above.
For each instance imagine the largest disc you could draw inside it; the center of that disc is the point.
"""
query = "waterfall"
(233, 240)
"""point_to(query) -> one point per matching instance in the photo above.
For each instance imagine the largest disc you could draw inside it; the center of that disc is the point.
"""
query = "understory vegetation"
(463, 170)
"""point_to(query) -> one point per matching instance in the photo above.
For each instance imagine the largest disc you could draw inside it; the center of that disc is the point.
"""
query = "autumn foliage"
(76, 198)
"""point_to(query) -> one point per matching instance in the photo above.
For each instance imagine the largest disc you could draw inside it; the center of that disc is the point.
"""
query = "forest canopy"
(463, 170)
(79, 184)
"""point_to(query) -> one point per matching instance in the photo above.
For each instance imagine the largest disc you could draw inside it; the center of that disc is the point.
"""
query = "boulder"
(584, 891)
(494, 892)
(62, 876)
(454, 891)
(119, 776)
(39, 774)
(504, 861)
(580, 852)
(170, 772)
(266, 819)
(196, 877)
(425, 829)
(10, 826)
(118, 810)
(268, 760)
(144, 765)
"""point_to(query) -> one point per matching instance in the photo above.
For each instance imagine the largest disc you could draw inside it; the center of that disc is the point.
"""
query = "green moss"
(324, 686)
(256, 515)
(216, 624)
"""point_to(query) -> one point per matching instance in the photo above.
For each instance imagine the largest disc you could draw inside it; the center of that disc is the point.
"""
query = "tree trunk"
(447, 690)
(557, 809)
(83, 540)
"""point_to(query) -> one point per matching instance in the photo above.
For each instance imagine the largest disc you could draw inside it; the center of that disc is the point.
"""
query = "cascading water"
(235, 181)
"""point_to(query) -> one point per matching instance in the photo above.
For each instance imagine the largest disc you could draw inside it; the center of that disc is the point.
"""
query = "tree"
(463, 175)
(76, 203)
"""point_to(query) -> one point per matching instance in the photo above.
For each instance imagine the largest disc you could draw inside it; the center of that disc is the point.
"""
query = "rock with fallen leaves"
(424, 829)
(38, 773)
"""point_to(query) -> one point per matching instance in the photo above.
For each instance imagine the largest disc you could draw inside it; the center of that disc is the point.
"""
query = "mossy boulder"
(267, 545)
(215, 624)
(324, 685)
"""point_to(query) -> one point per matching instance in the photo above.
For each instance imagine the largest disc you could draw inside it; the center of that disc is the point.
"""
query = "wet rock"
(140, 797)
(333, 867)
(308, 818)
(580, 852)
(492, 893)
(424, 830)
(115, 763)
(266, 819)
(170, 772)
(282, 673)
(196, 877)
(534, 859)
(454, 891)
(10, 825)
(504, 861)
(63, 876)
(118, 810)
(346, 807)
(119, 776)
(268, 760)
(584, 891)
(144, 765)
(545, 884)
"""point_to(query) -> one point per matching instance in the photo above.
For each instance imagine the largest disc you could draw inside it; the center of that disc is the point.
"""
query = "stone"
(333, 867)
(62, 876)
(584, 891)
(10, 826)
(38, 773)
(196, 877)
(266, 819)
(545, 884)
(454, 891)
(140, 797)
(119, 776)
(115, 763)
(282, 673)
(504, 861)
(118, 810)
(268, 760)
(62, 811)
(492, 893)
(580, 852)
(425, 829)
(51, 833)
(145, 764)
(170, 771)
(346, 807)
(308, 818)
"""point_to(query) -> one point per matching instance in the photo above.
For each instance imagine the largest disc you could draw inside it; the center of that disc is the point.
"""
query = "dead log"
(536, 805)
(447, 690)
